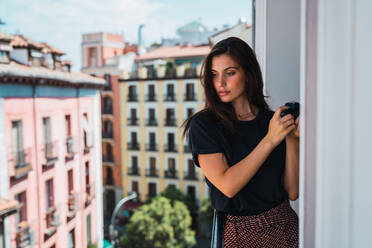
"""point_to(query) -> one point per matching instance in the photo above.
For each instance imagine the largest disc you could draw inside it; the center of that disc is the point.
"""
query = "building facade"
(51, 155)
(155, 101)
(106, 55)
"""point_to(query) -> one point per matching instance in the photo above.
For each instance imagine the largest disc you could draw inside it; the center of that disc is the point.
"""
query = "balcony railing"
(133, 146)
(132, 121)
(88, 141)
(108, 158)
(50, 153)
(170, 97)
(89, 193)
(152, 173)
(170, 147)
(151, 98)
(190, 96)
(171, 174)
(107, 111)
(152, 147)
(151, 122)
(171, 73)
(170, 122)
(191, 175)
(24, 235)
(72, 206)
(52, 222)
(132, 98)
(191, 72)
(107, 135)
(20, 163)
(134, 171)
(186, 148)
(69, 149)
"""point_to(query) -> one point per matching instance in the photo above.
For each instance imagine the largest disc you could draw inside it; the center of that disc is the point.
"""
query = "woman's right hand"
(279, 127)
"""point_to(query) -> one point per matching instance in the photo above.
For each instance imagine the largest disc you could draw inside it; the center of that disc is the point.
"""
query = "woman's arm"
(230, 180)
(291, 172)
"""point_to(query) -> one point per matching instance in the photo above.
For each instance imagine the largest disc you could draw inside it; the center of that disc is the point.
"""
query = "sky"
(61, 23)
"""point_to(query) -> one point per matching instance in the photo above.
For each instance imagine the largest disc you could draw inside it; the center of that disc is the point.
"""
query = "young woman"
(248, 154)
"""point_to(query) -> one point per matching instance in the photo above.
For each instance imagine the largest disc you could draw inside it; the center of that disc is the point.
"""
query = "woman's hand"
(279, 128)
(295, 134)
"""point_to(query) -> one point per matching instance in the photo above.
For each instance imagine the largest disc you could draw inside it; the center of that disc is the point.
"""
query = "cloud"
(62, 23)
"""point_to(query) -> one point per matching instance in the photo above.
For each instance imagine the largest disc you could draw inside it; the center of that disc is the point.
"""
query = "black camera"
(293, 109)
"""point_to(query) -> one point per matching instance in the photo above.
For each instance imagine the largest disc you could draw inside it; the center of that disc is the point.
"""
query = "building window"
(190, 112)
(89, 234)
(151, 121)
(22, 213)
(107, 130)
(109, 176)
(92, 57)
(152, 170)
(87, 178)
(69, 139)
(132, 120)
(152, 189)
(49, 188)
(71, 239)
(170, 95)
(134, 170)
(4, 57)
(88, 134)
(135, 188)
(70, 181)
(107, 105)
(190, 93)
(108, 153)
(171, 172)
(151, 97)
(107, 82)
(133, 144)
(152, 146)
(191, 172)
(50, 151)
(170, 119)
(170, 146)
(191, 192)
(132, 94)
(17, 144)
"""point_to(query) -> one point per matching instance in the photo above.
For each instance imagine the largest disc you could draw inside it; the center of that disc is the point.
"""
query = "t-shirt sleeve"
(203, 138)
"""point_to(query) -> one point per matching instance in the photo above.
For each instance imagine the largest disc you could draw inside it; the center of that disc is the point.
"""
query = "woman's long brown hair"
(240, 51)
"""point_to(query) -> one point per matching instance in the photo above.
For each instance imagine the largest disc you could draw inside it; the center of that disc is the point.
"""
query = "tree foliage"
(159, 224)
(206, 211)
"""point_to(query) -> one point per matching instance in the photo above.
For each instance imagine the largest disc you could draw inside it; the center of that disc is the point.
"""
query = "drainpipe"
(37, 166)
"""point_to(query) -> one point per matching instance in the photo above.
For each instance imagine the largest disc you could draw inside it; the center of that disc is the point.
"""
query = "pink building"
(50, 146)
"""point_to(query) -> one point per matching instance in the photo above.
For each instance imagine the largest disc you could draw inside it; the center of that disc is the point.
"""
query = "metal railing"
(134, 171)
(152, 173)
(170, 147)
(152, 147)
(133, 146)
(171, 174)
(191, 175)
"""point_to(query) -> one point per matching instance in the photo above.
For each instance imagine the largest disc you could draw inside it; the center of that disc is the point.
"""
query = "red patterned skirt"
(277, 227)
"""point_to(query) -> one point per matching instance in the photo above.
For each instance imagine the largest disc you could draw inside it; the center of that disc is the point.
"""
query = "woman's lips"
(223, 93)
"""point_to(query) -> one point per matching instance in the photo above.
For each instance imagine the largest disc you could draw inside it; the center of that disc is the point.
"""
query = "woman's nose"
(220, 81)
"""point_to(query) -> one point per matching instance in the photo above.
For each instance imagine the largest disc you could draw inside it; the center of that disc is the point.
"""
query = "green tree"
(206, 216)
(173, 194)
(159, 224)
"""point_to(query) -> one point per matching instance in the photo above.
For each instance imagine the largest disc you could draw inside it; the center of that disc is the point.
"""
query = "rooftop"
(175, 52)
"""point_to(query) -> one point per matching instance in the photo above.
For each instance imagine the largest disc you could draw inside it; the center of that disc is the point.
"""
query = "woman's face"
(228, 78)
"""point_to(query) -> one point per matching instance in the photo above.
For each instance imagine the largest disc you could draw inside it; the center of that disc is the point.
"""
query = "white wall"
(19, 55)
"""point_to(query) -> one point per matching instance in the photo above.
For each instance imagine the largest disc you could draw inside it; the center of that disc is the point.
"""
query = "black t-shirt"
(265, 190)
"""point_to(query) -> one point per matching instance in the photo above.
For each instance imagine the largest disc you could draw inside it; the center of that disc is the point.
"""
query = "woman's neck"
(243, 109)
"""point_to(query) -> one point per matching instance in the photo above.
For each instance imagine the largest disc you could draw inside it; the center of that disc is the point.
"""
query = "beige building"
(155, 101)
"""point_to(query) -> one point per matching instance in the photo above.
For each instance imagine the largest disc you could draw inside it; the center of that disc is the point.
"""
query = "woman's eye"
(230, 73)
(213, 75)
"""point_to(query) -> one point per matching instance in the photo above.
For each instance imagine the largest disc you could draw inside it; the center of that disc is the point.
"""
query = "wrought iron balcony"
(107, 111)
(107, 135)
(171, 174)
(133, 146)
(190, 96)
(108, 158)
(132, 121)
(152, 173)
(20, 162)
(190, 72)
(170, 147)
(151, 98)
(151, 122)
(72, 206)
(24, 235)
(134, 171)
(52, 222)
(88, 141)
(89, 193)
(171, 73)
(170, 122)
(50, 151)
(191, 175)
(70, 152)
(152, 147)
(170, 97)
(132, 98)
